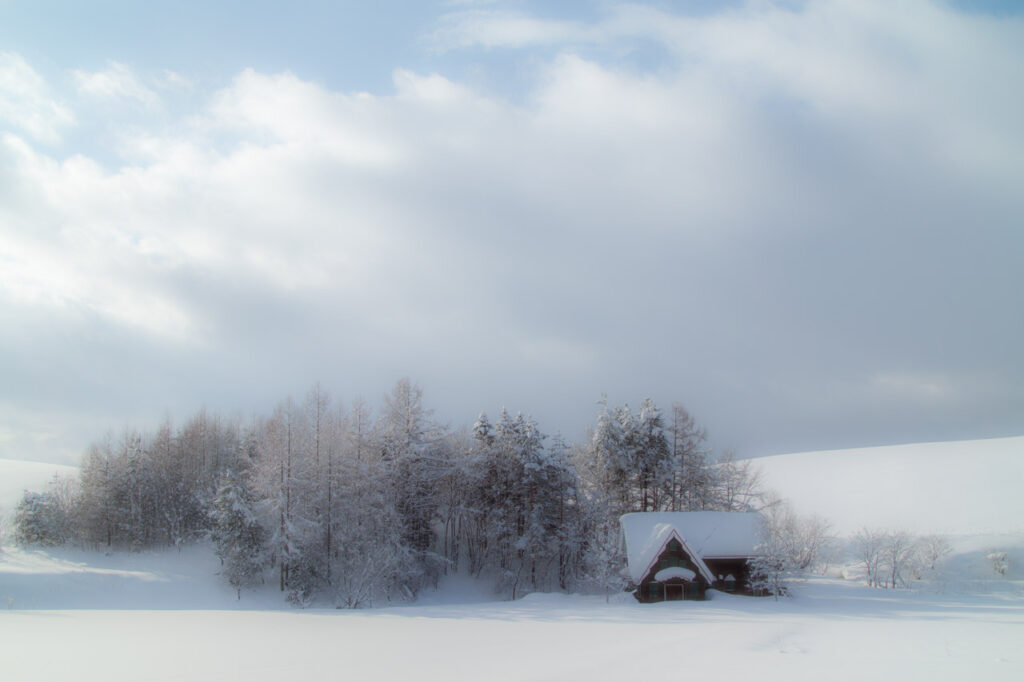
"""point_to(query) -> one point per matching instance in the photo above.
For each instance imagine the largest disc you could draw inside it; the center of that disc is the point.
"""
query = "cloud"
(173, 80)
(116, 82)
(26, 103)
(798, 215)
(497, 28)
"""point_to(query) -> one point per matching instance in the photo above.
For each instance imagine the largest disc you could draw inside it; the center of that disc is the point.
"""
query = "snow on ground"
(165, 615)
(830, 631)
(957, 488)
(59, 578)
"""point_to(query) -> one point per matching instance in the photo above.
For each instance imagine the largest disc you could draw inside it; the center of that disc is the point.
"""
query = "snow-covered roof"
(704, 534)
(674, 572)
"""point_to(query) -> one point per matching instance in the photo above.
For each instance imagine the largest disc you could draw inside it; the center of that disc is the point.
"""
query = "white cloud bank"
(794, 205)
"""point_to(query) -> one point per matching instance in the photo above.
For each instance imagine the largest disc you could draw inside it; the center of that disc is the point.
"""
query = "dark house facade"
(680, 555)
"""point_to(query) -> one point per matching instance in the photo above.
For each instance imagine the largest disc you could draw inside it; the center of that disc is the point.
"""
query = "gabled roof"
(644, 559)
(704, 535)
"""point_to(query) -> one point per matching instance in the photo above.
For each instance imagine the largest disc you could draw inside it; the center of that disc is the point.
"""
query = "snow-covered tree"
(770, 571)
(609, 462)
(899, 555)
(285, 491)
(370, 560)
(774, 564)
(237, 534)
(604, 562)
(890, 558)
(998, 561)
(933, 549)
(40, 520)
(652, 458)
(869, 545)
(412, 451)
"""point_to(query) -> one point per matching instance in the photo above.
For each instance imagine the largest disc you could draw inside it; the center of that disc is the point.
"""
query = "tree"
(690, 488)
(934, 548)
(869, 544)
(369, 560)
(237, 534)
(604, 563)
(652, 458)
(774, 563)
(411, 450)
(770, 570)
(40, 520)
(998, 561)
(610, 460)
(899, 554)
(889, 557)
(737, 485)
(280, 478)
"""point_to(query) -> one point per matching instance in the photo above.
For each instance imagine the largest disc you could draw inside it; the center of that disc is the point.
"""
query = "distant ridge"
(954, 487)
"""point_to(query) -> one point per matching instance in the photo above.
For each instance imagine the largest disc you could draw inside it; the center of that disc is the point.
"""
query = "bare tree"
(899, 553)
(932, 550)
(737, 484)
(869, 543)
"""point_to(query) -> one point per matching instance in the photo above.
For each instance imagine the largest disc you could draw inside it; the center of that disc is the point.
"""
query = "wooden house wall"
(673, 555)
(736, 567)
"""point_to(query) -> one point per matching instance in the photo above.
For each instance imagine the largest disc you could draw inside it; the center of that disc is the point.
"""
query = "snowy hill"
(16, 477)
(958, 488)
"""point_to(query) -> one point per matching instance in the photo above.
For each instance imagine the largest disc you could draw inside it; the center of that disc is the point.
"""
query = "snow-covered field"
(830, 631)
(159, 616)
(164, 615)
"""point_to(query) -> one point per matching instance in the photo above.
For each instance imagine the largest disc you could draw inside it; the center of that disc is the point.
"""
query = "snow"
(705, 534)
(958, 488)
(674, 572)
(830, 630)
(165, 615)
(644, 542)
(16, 477)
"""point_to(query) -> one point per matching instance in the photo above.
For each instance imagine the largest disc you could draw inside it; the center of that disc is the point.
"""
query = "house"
(679, 555)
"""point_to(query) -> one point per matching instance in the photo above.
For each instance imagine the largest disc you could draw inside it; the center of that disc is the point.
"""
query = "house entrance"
(675, 592)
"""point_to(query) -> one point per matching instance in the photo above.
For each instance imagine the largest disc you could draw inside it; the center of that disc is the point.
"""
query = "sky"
(804, 221)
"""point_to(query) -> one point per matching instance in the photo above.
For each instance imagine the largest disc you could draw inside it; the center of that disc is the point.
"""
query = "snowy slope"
(17, 476)
(960, 488)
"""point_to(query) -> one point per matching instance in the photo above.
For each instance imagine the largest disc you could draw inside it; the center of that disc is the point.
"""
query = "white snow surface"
(165, 615)
(706, 534)
(830, 630)
(674, 572)
(957, 488)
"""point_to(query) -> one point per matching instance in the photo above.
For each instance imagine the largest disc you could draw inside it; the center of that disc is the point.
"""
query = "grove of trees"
(351, 506)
